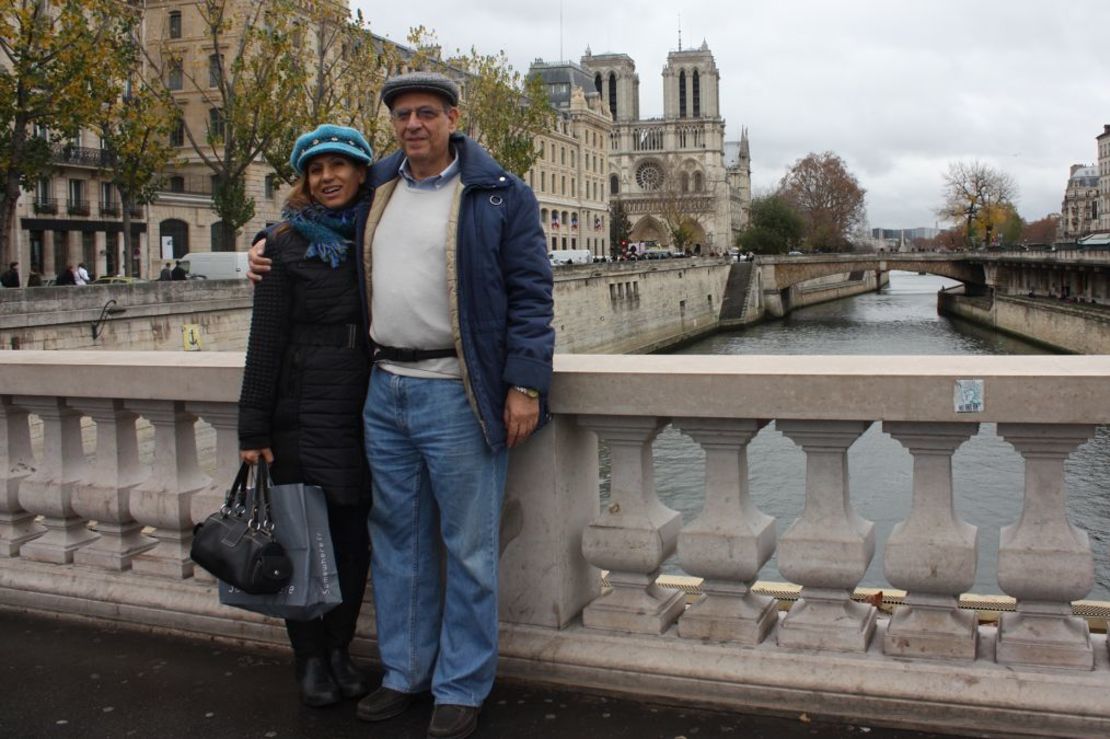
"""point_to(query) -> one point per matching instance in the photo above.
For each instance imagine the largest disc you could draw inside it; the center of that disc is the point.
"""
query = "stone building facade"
(570, 176)
(677, 168)
(1080, 210)
(74, 216)
(1104, 178)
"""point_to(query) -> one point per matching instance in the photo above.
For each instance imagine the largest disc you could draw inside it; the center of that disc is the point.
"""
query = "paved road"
(72, 679)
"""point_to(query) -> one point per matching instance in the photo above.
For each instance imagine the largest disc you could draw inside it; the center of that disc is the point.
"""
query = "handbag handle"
(260, 503)
(236, 494)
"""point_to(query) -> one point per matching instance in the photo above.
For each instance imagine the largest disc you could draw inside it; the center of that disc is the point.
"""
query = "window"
(697, 95)
(614, 185)
(43, 191)
(76, 191)
(269, 186)
(177, 134)
(613, 95)
(682, 94)
(175, 78)
(685, 182)
(215, 69)
(562, 155)
(107, 193)
(177, 183)
(216, 123)
(697, 182)
(175, 24)
(543, 181)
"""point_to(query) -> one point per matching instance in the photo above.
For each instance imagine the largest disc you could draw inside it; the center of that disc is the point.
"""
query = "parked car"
(794, 254)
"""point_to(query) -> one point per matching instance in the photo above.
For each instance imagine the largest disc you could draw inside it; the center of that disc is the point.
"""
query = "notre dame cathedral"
(680, 161)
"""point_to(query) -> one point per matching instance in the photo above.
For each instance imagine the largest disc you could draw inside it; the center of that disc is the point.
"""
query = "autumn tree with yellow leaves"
(59, 59)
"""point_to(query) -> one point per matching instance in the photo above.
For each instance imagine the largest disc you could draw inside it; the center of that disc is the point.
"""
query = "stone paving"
(63, 678)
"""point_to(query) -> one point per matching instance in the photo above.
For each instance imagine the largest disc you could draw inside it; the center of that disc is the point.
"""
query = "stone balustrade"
(87, 528)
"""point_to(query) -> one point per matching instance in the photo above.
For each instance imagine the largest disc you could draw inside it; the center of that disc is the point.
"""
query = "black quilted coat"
(308, 364)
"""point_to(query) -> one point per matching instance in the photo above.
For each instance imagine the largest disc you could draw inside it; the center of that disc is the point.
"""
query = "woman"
(308, 363)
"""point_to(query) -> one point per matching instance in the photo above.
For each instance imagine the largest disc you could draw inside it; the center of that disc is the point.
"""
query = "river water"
(987, 472)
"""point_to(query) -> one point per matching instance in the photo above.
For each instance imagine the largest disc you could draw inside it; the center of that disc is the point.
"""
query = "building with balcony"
(677, 167)
(569, 178)
(73, 216)
(1079, 212)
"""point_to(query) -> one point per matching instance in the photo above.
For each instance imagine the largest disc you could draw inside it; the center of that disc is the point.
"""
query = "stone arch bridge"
(778, 274)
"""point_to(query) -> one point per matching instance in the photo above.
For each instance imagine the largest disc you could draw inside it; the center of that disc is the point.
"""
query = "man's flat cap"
(420, 82)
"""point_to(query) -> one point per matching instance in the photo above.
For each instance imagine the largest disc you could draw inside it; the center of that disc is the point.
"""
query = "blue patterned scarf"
(329, 232)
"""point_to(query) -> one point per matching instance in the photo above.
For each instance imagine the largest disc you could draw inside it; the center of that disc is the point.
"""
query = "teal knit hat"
(330, 138)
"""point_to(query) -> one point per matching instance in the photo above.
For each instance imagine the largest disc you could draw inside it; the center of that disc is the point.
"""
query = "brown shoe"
(384, 703)
(453, 722)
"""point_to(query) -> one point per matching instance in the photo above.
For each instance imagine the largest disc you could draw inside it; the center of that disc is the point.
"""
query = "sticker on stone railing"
(968, 397)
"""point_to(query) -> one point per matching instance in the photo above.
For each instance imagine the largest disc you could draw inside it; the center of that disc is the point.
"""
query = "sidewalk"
(73, 679)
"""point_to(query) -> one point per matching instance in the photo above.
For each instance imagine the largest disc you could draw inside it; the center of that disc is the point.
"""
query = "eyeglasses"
(424, 113)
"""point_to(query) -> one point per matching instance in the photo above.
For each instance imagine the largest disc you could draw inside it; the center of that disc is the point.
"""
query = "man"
(166, 274)
(178, 272)
(11, 277)
(81, 277)
(458, 296)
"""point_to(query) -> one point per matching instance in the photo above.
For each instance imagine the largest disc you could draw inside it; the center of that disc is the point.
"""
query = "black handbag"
(236, 544)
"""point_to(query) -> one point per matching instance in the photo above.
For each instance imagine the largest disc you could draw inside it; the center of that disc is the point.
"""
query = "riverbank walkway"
(65, 678)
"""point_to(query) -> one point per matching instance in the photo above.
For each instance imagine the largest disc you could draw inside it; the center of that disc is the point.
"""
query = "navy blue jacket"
(503, 294)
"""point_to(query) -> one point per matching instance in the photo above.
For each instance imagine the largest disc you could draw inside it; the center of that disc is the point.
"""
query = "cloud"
(898, 90)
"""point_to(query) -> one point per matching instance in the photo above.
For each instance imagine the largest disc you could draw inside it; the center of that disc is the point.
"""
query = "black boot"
(352, 683)
(318, 689)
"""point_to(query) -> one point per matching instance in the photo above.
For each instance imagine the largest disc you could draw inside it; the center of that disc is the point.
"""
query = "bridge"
(108, 459)
(1009, 273)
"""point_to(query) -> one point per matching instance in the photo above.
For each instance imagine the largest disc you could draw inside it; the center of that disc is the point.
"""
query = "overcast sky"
(897, 88)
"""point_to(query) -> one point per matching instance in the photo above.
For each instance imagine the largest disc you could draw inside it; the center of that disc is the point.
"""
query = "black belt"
(402, 354)
(338, 335)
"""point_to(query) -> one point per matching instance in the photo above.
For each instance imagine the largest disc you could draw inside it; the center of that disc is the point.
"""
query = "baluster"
(48, 491)
(163, 499)
(634, 535)
(224, 418)
(932, 554)
(828, 548)
(105, 494)
(729, 542)
(17, 526)
(1043, 560)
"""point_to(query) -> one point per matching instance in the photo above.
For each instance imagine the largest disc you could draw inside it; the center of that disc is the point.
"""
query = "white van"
(571, 256)
(216, 265)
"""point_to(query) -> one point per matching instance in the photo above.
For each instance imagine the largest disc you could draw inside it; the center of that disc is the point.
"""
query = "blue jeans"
(438, 490)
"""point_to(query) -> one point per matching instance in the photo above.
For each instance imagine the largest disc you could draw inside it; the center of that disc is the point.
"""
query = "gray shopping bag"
(300, 517)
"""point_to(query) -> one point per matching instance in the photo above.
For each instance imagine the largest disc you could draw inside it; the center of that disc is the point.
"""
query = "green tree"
(245, 91)
(348, 67)
(134, 131)
(775, 227)
(828, 197)
(503, 110)
(56, 56)
(620, 227)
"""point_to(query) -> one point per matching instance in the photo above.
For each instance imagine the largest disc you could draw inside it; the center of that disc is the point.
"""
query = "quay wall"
(1067, 327)
(835, 287)
(617, 309)
(601, 309)
(153, 316)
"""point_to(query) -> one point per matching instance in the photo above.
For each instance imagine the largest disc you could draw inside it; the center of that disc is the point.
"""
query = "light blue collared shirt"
(436, 181)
